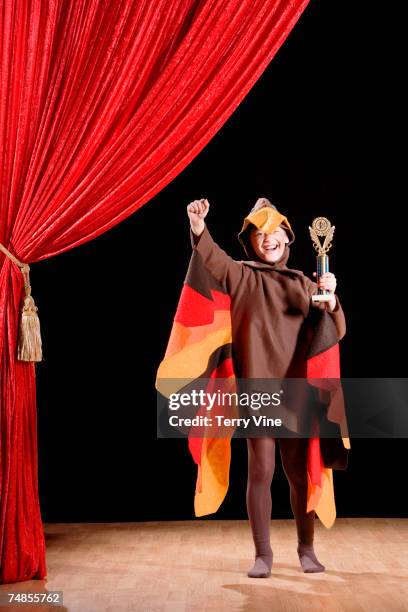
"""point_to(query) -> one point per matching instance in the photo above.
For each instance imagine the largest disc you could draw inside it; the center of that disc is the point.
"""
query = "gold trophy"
(322, 227)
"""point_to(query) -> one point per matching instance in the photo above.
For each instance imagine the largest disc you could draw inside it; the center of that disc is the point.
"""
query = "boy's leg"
(294, 460)
(261, 467)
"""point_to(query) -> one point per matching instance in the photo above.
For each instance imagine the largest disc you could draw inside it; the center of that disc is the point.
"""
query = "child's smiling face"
(269, 247)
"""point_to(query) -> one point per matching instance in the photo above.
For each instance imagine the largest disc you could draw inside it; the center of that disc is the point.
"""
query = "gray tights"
(261, 467)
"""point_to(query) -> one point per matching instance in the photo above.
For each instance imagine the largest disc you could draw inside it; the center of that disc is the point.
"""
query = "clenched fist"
(197, 211)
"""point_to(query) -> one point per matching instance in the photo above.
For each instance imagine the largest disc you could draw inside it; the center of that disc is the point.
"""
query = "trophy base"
(324, 297)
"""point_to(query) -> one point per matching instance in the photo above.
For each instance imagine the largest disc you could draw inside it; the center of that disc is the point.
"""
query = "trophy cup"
(322, 227)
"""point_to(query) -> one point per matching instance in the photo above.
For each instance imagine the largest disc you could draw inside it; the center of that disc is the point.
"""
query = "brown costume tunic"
(269, 304)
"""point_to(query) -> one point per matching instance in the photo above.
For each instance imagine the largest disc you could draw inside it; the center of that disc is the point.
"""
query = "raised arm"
(227, 271)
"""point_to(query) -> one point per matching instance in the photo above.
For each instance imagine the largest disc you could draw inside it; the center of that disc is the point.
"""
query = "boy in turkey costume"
(268, 304)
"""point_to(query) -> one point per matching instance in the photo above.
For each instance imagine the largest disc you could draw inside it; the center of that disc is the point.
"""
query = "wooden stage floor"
(201, 566)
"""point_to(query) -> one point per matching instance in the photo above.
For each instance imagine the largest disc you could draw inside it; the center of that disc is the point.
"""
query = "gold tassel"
(29, 340)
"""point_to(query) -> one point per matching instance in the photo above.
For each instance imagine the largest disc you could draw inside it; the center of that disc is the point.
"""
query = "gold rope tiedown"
(29, 339)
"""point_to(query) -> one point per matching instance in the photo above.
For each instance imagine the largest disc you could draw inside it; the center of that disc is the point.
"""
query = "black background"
(314, 135)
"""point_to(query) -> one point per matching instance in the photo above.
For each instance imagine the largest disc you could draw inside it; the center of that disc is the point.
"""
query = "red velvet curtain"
(103, 103)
